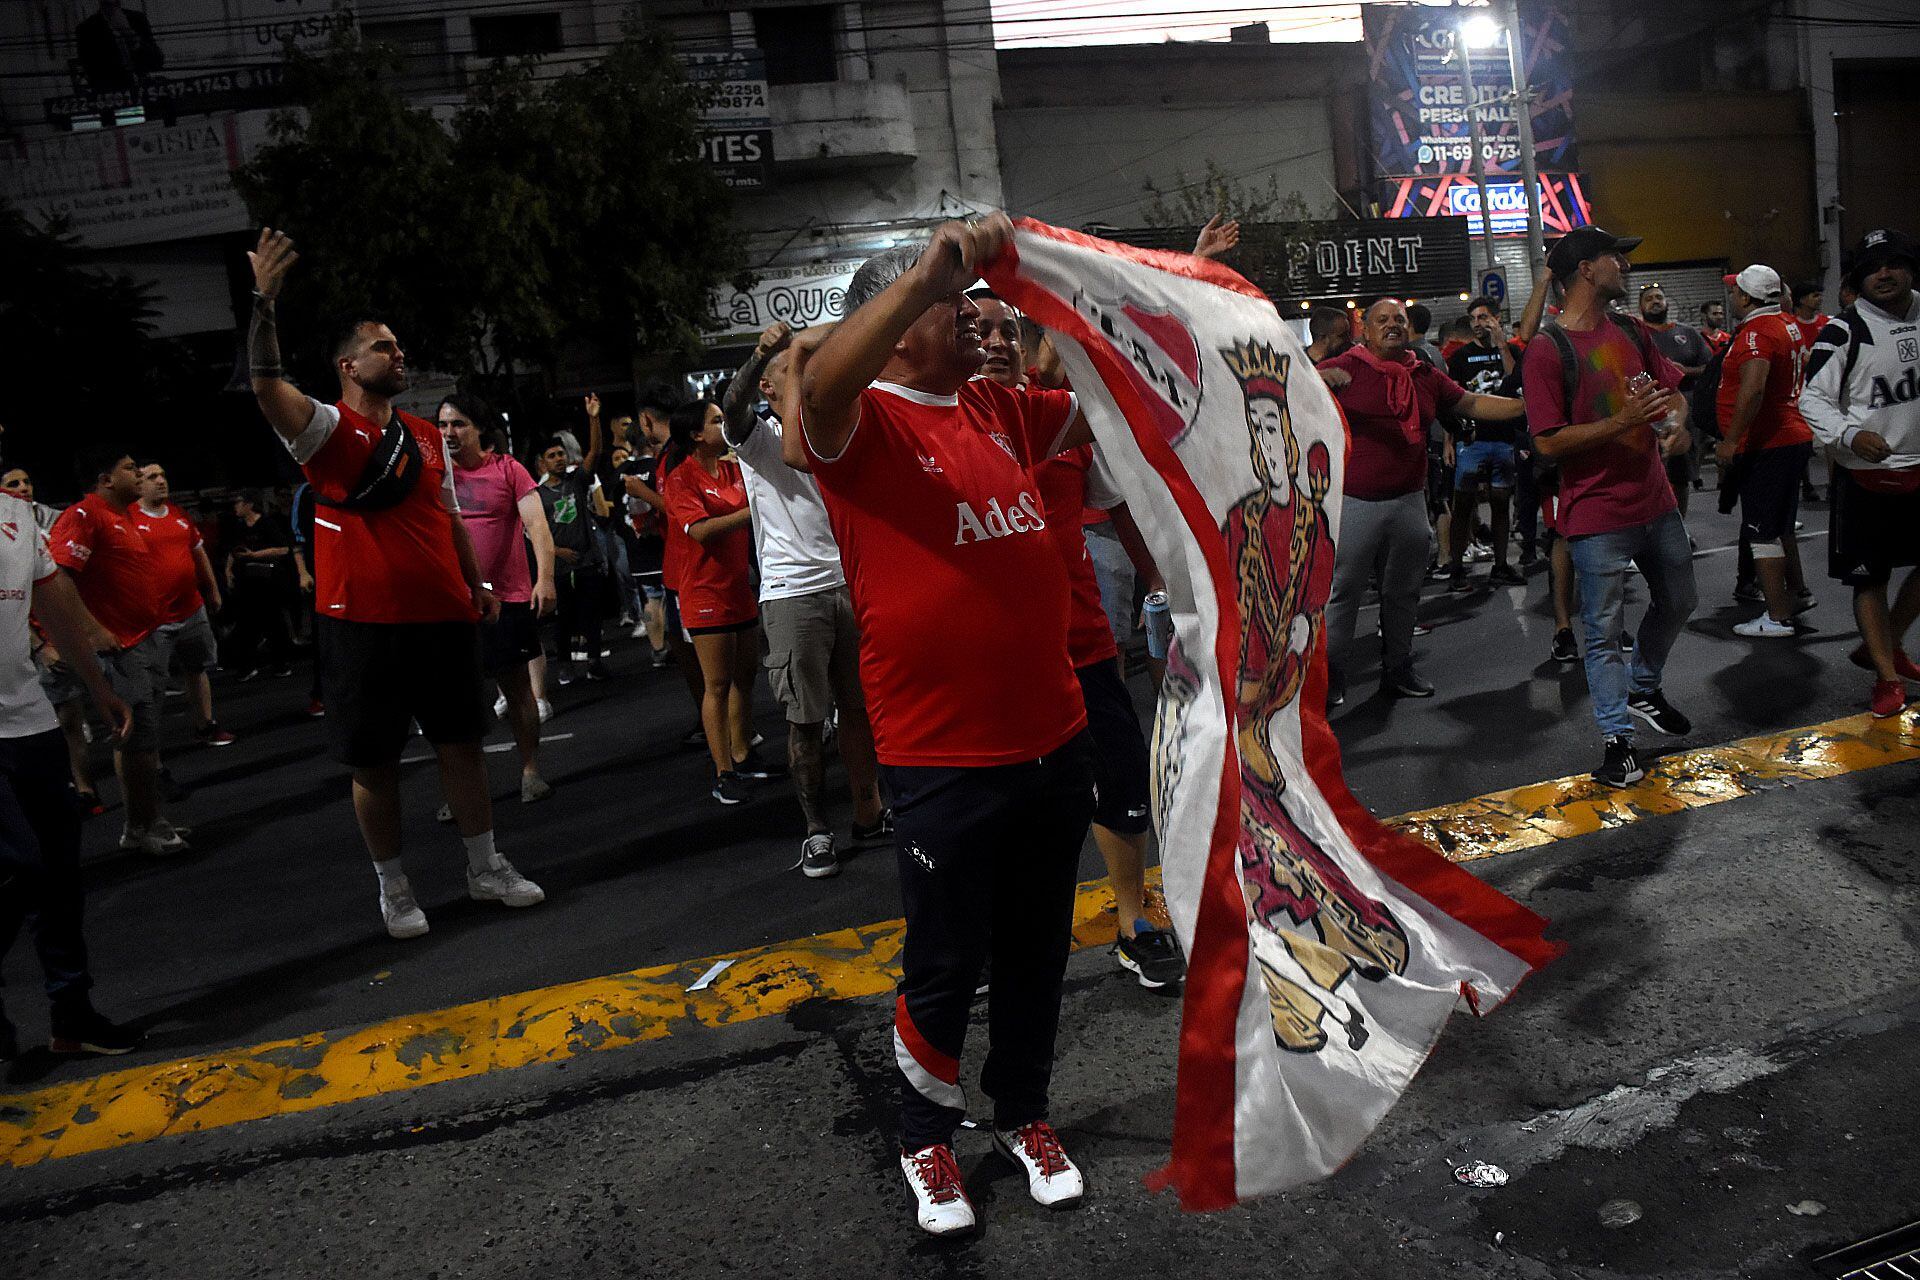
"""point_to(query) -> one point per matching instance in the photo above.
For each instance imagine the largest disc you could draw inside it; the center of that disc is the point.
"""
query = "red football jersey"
(171, 538)
(396, 565)
(714, 578)
(1063, 495)
(1777, 339)
(959, 589)
(113, 566)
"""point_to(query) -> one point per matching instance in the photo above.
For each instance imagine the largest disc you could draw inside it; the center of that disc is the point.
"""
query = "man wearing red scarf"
(1388, 395)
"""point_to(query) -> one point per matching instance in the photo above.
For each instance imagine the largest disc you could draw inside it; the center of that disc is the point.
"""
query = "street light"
(1477, 32)
(1523, 117)
(1480, 32)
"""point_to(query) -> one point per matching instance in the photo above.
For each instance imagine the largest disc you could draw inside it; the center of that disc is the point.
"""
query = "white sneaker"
(443, 814)
(503, 884)
(940, 1197)
(156, 842)
(403, 915)
(1052, 1179)
(1765, 628)
(639, 631)
(579, 655)
(546, 710)
(500, 706)
(172, 839)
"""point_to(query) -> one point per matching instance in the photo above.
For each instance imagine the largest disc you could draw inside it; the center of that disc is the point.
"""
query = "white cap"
(1758, 282)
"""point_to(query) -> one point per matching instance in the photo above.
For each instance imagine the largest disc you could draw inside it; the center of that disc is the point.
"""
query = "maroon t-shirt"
(1388, 454)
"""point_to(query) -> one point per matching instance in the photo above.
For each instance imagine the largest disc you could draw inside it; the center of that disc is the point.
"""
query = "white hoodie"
(1881, 393)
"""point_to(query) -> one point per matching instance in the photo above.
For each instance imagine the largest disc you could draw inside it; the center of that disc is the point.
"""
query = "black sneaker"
(1658, 712)
(881, 830)
(1407, 684)
(1749, 592)
(817, 858)
(1505, 575)
(1802, 603)
(730, 788)
(694, 738)
(1621, 768)
(563, 674)
(1458, 582)
(1152, 955)
(1564, 649)
(756, 766)
(85, 1031)
(1626, 642)
(597, 670)
(1528, 557)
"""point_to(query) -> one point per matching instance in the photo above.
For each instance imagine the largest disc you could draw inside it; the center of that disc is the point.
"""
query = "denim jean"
(1114, 572)
(1600, 562)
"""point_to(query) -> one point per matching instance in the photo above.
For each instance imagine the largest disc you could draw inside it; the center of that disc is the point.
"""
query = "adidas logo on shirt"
(998, 523)
(1885, 393)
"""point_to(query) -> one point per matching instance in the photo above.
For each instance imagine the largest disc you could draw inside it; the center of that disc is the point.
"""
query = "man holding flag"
(978, 721)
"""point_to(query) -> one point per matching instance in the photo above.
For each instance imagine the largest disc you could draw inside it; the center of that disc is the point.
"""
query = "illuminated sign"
(1563, 202)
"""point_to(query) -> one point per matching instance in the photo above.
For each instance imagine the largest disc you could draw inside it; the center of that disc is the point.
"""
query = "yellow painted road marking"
(555, 1023)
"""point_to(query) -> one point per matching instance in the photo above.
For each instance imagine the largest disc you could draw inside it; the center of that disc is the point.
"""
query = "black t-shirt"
(1483, 371)
(570, 514)
(263, 534)
(642, 518)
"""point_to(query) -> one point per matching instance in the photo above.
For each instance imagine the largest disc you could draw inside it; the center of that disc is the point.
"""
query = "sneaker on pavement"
(86, 1031)
(880, 830)
(1903, 666)
(403, 915)
(639, 631)
(660, 657)
(1749, 593)
(754, 765)
(1889, 698)
(1621, 766)
(1407, 684)
(695, 737)
(545, 708)
(500, 706)
(144, 840)
(817, 858)
(1458, 582)
(1658, 712)
(1805, 602)
(534, 788)
(940, 1198)
(562, 674)
(1440, 572)
(1505, 575)
(213, 735)
(501, 883)
(1564, 649)
(1052, 1179)
(597, 670)
(315, 708)
(1765, 628)
(1151, 954)
(730, 788)
(579, 655)
(444, 813)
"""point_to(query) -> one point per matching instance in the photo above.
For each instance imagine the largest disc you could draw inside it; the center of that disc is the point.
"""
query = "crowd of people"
(904, 521)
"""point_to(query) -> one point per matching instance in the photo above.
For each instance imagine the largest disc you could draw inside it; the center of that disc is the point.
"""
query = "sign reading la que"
(809, 294)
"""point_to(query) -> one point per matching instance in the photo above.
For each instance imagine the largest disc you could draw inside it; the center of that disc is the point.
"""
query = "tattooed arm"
(286, 408)
(737, 404)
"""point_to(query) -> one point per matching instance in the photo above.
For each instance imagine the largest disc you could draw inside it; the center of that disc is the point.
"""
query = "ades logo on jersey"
(1905, 391)
(997, 522)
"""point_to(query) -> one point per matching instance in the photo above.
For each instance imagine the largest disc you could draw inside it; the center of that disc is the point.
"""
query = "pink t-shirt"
(1623, 482)
(489, 497)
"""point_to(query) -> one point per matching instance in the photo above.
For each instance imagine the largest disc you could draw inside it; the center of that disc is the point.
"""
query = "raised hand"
(960, 251)
(271, 259)
(774, 338)
(1217, 237)
(592, 403)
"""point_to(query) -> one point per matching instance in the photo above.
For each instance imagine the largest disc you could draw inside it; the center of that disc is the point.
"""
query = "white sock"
(391, 873)
(480, 854)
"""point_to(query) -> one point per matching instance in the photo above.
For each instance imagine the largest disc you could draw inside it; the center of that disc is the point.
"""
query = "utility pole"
(1523, 116)
(1464, 53)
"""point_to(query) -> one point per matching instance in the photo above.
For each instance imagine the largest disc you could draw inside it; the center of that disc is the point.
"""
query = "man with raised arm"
(397, 591)
(813, 642)
(977, 718)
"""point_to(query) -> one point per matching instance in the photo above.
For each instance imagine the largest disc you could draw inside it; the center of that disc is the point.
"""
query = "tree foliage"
(551, 211)
(80, 352)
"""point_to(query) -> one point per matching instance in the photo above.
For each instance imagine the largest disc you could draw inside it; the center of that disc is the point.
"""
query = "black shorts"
(1870, 534)
(379, 677)
(1770, 491)
(513, 640)
(1123, 790)
(645, 555)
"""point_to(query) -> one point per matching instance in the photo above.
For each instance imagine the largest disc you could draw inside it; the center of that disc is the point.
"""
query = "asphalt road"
(1732, 1031)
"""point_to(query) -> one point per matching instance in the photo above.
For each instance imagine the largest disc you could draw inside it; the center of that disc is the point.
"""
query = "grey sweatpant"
(1392, 537)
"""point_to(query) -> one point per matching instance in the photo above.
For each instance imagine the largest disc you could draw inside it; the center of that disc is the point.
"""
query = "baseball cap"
(1756, 281)
(1583, 244)
(1877, 248)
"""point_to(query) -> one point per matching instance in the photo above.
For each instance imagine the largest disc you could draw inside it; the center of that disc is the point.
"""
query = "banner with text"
(1419, 103)
(737, 131)
(814, 293)
(1563, 202)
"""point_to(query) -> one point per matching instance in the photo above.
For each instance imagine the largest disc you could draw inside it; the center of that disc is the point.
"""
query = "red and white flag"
(1325, 952)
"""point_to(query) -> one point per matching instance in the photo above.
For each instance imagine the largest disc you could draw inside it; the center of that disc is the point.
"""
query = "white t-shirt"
(798, 555)
(25, 559)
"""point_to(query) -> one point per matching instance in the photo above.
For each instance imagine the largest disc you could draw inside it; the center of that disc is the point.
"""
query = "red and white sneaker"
(1903, 666)
(940, 1197)
(1052, 1179)
(1889, 698)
